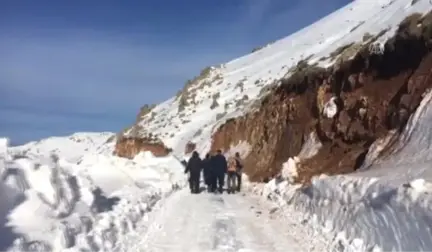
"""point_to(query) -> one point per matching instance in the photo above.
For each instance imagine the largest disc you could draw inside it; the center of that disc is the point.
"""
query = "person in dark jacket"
(207, 172)
(194, 166)
(219, 167)
(239, 165)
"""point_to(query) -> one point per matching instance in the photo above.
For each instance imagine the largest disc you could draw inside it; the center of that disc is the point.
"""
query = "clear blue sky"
(68, 66)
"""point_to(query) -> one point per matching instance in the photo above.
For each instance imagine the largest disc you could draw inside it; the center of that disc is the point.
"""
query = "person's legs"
(234, 182)
(239, 180)
(213, 183)
(221, 181)
(190, 183)
(229, 183)
(197, 183)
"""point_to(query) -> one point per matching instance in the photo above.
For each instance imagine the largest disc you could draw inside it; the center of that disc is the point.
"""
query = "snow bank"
(4, 143)
(386, 205)
(4, 155)
(51, 204)
(363, 213)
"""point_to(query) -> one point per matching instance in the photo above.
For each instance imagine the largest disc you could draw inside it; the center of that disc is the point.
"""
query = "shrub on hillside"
(220, 115)
(198, 133)
(214, 104)
(367, 36)
(144, 110)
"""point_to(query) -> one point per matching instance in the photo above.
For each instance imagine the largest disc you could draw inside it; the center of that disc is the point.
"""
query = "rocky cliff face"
(348, 106)
(359, 100)
(129, 147)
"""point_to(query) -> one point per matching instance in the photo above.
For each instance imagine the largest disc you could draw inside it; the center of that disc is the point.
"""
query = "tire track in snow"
(224, 227)
(216, 223)
(258, 231)
(182, 224)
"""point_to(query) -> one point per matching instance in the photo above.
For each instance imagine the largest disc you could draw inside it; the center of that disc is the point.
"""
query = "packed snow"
(51, 204)
(107, 203)
(209, 222)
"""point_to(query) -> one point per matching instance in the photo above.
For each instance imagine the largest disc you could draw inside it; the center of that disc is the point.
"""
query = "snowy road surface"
(208, 222)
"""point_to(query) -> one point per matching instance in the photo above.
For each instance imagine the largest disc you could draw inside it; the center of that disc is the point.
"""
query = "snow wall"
(386, 206)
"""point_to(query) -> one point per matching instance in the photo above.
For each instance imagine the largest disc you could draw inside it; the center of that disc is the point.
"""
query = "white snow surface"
(231, 223)
(240, 82)
(330, 108)
(51, 204)
(70, 147)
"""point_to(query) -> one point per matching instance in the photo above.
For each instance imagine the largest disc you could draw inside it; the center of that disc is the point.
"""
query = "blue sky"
(68, 66)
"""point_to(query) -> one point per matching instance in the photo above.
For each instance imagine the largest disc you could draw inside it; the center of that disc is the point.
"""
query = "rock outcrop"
(348, 106)
(129, 147)
(190, 147)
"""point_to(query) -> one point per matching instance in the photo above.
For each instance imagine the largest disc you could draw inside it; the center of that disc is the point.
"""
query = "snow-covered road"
(208, 222)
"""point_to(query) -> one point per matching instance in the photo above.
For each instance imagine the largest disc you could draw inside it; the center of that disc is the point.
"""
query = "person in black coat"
(219, 167)
(207, 172)
(194, 166)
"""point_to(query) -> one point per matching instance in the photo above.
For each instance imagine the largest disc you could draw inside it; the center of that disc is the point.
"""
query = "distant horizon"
(86, 67)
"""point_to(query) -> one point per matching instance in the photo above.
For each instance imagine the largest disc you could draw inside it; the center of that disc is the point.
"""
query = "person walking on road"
(207, 172)
(219, 168)
(239, 170)
(194, 167)
(232, 175)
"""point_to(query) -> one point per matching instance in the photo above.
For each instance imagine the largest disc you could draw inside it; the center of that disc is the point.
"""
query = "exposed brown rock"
(375, 94)
(129, 147)
(190, 146)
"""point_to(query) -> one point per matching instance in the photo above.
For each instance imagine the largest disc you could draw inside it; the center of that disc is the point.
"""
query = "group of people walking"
(214, 169)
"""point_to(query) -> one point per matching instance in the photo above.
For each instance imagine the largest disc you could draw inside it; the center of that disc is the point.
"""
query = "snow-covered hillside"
(230, 89)
(72, 147)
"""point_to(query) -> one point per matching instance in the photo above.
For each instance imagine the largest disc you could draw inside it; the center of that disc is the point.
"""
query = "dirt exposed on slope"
(373, 93)
(130, 147)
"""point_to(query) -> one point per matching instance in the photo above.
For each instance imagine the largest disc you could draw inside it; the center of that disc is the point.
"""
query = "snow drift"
(50, 204)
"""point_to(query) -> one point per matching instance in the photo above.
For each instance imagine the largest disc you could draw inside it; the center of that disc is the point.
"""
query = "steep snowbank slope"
(386, 204)
(410, 157)
(228, 90)
(51, 204)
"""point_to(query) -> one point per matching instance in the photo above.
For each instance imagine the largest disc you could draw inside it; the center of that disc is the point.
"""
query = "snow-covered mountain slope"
(71, 148)
(230, 89)
(358, 207)
(50, 204)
